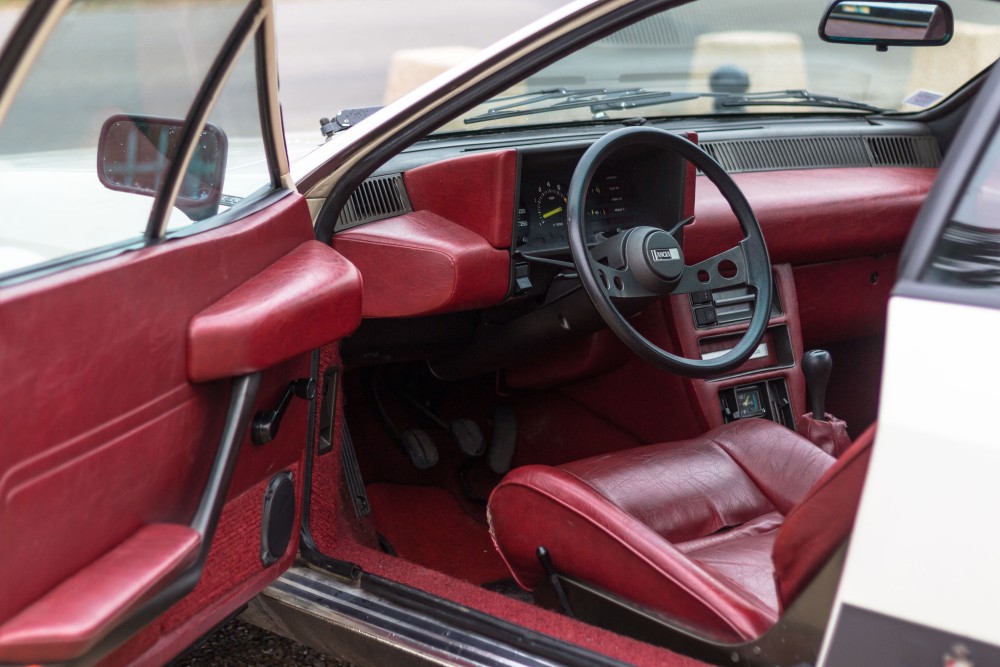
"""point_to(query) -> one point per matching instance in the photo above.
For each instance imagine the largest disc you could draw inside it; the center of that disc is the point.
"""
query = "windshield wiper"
(598, 100)
(791, 98)
(602, 100)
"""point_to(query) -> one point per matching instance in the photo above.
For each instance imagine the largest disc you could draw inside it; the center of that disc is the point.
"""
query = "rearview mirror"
(135, 151)
(888, 23)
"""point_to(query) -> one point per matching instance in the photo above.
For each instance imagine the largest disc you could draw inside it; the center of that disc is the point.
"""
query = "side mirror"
(888, 23)
(134, 152)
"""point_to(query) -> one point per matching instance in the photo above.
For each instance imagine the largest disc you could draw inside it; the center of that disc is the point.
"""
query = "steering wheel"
(646, 262)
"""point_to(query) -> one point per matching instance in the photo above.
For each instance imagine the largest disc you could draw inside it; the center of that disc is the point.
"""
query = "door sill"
(346, 620)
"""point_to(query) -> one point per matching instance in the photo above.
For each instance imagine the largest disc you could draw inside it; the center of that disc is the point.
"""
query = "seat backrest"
(822, 521)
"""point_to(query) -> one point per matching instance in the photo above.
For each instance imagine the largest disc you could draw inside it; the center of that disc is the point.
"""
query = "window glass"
(968, 253)
(103, 59)
(237, 115)
(736, 46)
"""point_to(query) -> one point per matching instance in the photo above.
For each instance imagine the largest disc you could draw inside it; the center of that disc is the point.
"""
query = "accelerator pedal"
(501, 450)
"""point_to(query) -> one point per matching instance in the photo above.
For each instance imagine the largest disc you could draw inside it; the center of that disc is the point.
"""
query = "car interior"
(667, 440)
(607, 338)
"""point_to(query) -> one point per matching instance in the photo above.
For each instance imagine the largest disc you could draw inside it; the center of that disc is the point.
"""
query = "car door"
(151, 316)
(920, 584)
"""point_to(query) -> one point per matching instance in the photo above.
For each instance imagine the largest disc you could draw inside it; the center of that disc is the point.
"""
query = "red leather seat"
(719, 532)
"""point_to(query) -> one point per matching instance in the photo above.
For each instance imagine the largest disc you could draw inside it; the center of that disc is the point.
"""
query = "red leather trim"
(838, 300)
(73, 617)
(814, 215)
(593, 540)
(621, 520)
(309, 297)
(421, 263)
(108, 435)
(822, 521)
(232, 575)
(474, 191)
(830, 434)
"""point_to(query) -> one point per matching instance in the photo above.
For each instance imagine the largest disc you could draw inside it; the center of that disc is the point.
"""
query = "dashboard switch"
(521, 277)
(704, 316)
(701, 298)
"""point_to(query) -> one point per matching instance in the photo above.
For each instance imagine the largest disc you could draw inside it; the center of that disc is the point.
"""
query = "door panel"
(108, 435)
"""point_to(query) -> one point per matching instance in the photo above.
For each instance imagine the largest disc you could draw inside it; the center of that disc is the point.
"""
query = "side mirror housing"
(135, 151)
(885, 23)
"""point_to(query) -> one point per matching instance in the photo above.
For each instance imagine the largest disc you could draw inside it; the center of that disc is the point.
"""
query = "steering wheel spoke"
(619, 283)
(727, 269)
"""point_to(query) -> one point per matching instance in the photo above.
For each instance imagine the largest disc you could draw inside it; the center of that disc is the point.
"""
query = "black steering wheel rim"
(757, 262)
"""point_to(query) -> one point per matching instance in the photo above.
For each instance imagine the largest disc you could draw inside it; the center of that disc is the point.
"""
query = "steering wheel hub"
(661, 260)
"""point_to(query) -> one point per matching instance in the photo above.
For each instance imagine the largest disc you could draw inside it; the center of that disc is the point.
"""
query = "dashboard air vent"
(377, 198)
(779, 153)
(904, 151)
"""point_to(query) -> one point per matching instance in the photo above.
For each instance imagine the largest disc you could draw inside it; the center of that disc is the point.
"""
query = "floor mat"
(427, 526)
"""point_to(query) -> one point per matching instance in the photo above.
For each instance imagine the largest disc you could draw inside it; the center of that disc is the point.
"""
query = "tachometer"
(550, 203)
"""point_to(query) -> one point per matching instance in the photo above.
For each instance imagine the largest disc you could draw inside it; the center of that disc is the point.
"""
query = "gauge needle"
(551, 213)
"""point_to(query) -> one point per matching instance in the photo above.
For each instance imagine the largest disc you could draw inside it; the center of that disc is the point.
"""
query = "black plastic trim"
(277, 519)
(307, 544)
(245, 27)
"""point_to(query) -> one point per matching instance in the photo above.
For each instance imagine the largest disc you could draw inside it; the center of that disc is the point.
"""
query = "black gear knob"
(816, 367)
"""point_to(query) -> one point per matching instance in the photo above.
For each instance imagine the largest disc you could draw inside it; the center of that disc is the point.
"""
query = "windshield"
(735, 51)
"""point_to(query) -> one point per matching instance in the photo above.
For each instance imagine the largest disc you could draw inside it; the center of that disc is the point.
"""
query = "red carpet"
(426, 525)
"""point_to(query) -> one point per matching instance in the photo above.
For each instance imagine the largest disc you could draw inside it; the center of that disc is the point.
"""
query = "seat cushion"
(686, 528)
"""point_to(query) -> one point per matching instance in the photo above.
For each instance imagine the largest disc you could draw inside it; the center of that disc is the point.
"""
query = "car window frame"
(253, 29)
(981, 125)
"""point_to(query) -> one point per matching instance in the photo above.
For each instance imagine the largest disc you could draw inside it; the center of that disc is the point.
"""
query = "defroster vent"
(377, 198)
(780, 153)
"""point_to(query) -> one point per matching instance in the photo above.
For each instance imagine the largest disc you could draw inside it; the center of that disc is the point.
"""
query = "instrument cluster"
(541, 212)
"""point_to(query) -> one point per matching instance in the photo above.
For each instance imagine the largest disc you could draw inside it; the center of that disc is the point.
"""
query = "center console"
(768, 385)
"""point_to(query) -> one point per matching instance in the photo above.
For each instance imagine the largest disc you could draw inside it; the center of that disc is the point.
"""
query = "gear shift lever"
(816, 367)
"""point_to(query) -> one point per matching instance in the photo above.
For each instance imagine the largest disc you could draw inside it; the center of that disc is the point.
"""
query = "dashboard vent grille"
(377, 198)
(742, 155)
(904, 151)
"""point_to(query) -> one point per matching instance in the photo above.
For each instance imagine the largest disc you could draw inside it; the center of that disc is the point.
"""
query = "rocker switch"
(521, 278)
(704, 316)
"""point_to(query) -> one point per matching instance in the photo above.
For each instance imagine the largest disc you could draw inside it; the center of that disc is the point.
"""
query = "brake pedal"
(420, 448)
(469, 437)
(501, 451)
